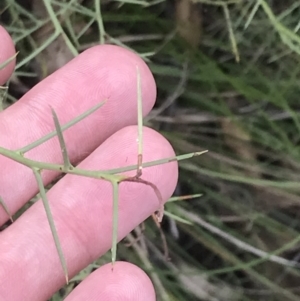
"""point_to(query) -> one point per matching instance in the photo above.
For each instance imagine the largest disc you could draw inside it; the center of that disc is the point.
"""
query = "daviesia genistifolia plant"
(113, 176)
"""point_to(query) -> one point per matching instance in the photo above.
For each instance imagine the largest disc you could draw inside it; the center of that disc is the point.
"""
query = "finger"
(103, 72)
(82, 210)
(125, 282)
(7, 50)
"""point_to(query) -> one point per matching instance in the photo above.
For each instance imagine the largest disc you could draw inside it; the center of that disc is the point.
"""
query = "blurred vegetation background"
(227, 73)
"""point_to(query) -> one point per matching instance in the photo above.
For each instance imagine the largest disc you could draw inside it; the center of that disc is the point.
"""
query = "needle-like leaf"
(115, 186)
(5, 63)
(4, 206)
(177, 218)
(62, 143)
(47, 137)
(184, 197)
(156, 162)
(39, 180)
(140, 124)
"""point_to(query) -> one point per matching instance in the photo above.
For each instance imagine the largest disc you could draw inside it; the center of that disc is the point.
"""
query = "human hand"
(82, 207)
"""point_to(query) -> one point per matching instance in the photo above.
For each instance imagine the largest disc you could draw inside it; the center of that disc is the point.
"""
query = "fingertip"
(119, 67)
(7, 50)
(125, 282)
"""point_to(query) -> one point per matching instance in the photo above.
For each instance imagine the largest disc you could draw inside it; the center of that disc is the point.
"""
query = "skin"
(82, 207)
